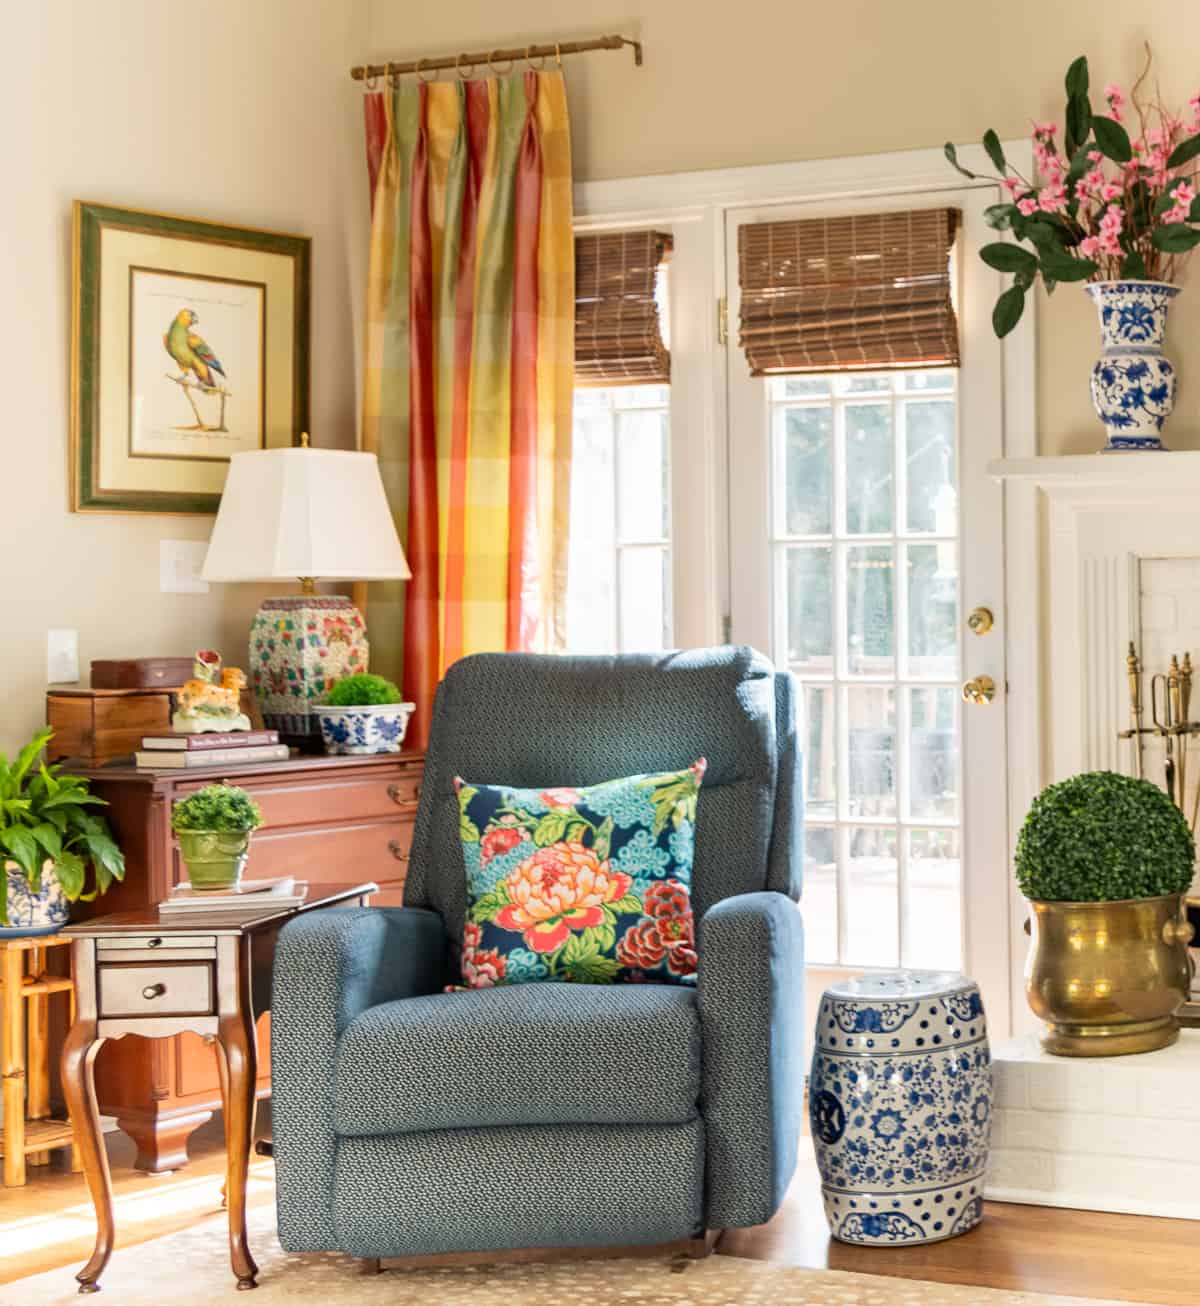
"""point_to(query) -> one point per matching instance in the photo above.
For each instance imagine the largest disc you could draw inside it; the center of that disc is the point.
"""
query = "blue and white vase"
(377, 729)
(900, 1107)
(41, 910)
(1133, 382)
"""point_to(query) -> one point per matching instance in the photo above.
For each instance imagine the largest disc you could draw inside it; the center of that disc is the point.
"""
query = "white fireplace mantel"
(1088, 536)
(1141, 470)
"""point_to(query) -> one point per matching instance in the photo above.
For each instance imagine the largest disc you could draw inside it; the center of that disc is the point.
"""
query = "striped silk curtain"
(470, 367)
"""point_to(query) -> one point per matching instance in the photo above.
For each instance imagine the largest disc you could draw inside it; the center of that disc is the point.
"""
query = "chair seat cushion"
(532, 1054)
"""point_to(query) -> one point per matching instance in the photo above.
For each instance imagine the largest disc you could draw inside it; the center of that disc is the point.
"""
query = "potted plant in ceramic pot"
(1112, 202)
(1105, 861)
(213, 827)
(364, 714)
(49, 838)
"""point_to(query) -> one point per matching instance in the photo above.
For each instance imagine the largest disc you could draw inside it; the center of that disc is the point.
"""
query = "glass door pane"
(865, 561)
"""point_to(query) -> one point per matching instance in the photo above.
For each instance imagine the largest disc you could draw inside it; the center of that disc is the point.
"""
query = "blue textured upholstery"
(533, 1054)
(408, 1120)
(752, 1025)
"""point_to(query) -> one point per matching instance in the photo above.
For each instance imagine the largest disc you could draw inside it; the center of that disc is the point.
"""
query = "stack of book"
(250, 898)
(225, 748)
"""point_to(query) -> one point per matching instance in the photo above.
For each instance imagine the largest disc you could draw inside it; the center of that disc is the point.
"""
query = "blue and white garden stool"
(900, 1104)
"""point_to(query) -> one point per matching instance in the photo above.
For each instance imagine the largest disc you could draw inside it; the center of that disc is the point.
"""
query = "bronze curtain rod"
(470, 60)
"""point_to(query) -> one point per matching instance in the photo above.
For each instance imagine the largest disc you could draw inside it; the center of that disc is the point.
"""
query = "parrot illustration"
(190, 350)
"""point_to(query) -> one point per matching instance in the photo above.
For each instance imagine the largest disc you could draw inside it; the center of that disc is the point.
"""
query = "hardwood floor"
(1083, 1253)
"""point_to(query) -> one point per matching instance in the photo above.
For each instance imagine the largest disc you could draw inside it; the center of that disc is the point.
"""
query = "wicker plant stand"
(29, 1135)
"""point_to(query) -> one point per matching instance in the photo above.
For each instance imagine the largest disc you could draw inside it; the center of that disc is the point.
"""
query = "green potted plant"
(213, 827)
(1105, 861)
(364, 714)
(49, 839)
(1112, 201)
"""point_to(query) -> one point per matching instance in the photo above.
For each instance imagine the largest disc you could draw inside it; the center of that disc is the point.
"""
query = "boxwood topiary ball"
(1103, 837)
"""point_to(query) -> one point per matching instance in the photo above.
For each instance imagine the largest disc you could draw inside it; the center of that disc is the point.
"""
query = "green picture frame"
(156, 407)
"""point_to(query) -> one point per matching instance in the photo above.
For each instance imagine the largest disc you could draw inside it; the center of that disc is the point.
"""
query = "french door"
(863, 534)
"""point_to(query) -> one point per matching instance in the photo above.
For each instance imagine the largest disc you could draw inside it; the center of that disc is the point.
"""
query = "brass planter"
(1108, 977)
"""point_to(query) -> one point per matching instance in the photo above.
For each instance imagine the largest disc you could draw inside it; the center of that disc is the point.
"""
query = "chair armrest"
(330, 966)
(751, 1001)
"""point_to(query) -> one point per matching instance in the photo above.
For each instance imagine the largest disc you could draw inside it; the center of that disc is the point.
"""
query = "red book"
(212, 739)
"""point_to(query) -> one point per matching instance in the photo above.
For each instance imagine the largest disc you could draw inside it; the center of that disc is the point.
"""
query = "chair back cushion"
(541, 721)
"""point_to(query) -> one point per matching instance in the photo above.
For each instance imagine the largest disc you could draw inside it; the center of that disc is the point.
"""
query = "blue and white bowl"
(900, 1107)
(1133, 381)
(41, 910)
(378, 729)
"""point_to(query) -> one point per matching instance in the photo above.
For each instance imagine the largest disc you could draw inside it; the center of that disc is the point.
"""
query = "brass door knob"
(980, 691)
(980, 621)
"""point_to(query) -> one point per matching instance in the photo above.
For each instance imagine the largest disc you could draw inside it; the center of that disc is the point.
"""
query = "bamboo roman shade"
(870, 290)
(618, 337)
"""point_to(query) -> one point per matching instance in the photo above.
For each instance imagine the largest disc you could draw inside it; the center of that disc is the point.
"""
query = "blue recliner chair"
(411, 1121)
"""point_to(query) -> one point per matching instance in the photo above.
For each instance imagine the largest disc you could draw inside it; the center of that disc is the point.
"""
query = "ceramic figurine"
(900, 1104)
(212, 699)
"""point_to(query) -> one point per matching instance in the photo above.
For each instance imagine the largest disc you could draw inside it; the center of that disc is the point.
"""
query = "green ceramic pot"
(214, 859)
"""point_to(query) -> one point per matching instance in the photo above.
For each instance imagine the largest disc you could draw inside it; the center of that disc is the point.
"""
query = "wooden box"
(98, 725)
(142, 673)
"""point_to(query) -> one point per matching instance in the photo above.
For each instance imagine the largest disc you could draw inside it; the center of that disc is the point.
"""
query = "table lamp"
(308, 514)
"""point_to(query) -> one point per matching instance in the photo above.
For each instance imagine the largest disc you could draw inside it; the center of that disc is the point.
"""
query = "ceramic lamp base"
(299, 648)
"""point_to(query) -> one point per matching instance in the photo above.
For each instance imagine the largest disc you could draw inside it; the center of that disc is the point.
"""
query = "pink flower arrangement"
(1110, 203)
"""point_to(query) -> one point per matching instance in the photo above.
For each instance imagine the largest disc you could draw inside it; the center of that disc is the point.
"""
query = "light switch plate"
(179, 566)
(62, 657)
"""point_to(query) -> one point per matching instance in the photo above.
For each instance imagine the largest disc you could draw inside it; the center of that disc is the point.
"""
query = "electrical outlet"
(179, 566)
(62, 657)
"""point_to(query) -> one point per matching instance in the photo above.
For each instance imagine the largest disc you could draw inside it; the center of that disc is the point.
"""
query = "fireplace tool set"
(1170, 720)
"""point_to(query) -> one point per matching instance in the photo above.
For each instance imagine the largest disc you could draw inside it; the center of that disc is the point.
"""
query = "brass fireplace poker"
(1170, 720)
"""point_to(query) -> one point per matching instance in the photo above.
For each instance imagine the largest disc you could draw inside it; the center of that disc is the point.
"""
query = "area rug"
(190, 1268)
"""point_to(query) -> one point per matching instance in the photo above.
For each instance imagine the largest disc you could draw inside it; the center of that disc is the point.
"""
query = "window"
(619, 566)
(865, 571)
(619, 570)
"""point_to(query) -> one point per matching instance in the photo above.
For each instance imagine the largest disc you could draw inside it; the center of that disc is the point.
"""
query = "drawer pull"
(153, 991)
(398, 850)
(154, 943)
(400, 795)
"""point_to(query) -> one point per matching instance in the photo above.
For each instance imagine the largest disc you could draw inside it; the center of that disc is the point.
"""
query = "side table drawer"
(179, 990)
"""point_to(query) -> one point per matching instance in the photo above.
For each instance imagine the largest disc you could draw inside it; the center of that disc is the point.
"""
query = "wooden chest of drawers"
(329, 819)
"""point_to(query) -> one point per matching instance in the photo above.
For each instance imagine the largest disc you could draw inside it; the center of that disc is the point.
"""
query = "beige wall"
(770, 81)
(237, 111)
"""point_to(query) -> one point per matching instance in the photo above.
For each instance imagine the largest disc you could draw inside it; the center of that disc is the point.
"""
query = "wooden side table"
(29, 1134)
(138, 974)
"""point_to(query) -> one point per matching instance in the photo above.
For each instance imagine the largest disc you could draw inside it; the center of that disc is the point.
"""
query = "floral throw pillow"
(590, 885)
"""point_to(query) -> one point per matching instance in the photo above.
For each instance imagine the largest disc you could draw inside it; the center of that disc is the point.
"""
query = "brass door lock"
(980, 691)
(980, 621)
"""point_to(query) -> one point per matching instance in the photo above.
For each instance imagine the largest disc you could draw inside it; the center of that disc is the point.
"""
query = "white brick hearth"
(1099, 1134)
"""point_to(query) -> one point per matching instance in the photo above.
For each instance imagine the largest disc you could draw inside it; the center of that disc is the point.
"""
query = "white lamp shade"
(304, 512)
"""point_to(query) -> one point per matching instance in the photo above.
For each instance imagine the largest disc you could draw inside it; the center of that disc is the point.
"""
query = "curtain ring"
(496, 70)
(371, 80)
(393, 78)
(424, 80)
(558, 55)
(458, 72)
(535, 67)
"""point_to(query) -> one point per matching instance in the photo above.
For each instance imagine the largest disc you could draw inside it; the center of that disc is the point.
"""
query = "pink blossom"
(1089, 246)
(1028, 205)
(1094, 156)
(1116, 99)
(1111, 222)
(1111, 190)
(1012, 185)
(1053, 199)
(1194, 107)
(1045, 129)
(1183, 193)
(1175, 215)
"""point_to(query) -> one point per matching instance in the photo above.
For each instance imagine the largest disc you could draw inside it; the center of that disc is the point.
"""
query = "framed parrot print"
(190, 343)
